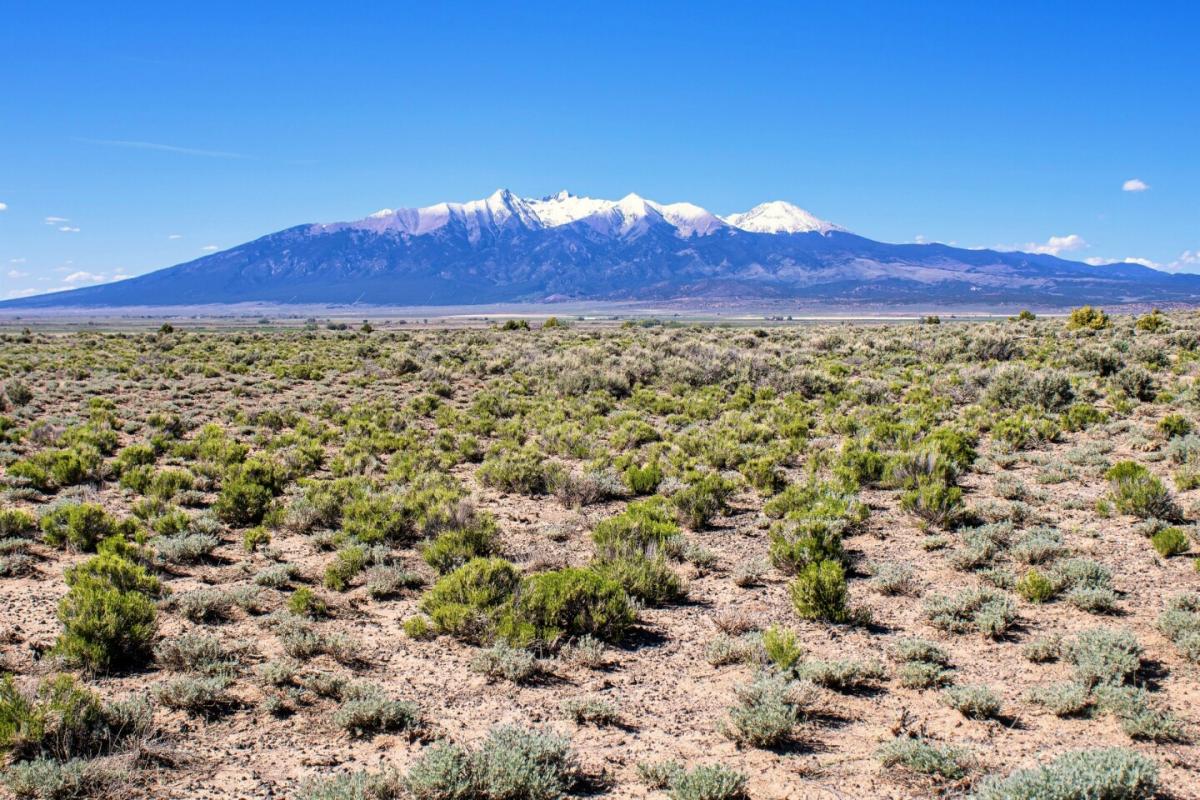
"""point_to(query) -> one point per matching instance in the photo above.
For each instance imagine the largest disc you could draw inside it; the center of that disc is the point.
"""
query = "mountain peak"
(779, 216)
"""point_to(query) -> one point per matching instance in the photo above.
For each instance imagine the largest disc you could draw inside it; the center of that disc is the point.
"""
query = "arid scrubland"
(542, 561)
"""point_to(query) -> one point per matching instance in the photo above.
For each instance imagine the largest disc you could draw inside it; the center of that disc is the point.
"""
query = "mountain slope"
(510, 249)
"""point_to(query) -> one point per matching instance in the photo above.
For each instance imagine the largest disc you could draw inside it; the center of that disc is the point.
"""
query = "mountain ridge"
(505, 248)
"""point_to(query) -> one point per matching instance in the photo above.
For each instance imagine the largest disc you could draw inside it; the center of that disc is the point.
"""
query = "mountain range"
(509, 249)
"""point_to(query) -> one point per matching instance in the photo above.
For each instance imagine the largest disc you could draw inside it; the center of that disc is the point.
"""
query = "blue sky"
(133, 136)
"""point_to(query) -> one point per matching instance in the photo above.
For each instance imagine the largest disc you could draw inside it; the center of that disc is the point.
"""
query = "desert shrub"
(502, 660)
(204, 605)
(453, 548)
(725, 649)
(1103, 656)
(521, 471)
(372, 712)
(1081, 416)
(819, 592)
(644, 479)
(923, 757)
(794, 544)
(188, 548)
(643, 526)
(1109, 774)
(1135, 491)
(204, 696)
(388, 581)
(1038, 546)
(1138, 717)
(16, 523)
(1136, 382)
(196, 652)
(766, 714)
(1087, 318)
(843, 675)
(781, 647)
(892, 579)
(1043, 650)
(468, 602)
(247, 491)
(922, 664)
(277, 576)
(108, 616)
(1170, 541)
(63, 719)
(593, 710)
(933, 502)
(511, 764)
(975, 702)
(1173, 425)
(49, 779)
(552, 606)
(384, 785)
(347, 563)
(1062, 699)
(704, 497)
(1180, 623)
(987, 611)
(304, 602)
(1038, 587)
(708, 782)
(81, 526)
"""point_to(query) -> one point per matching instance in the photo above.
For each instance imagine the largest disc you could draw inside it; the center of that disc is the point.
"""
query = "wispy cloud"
(165, 148)
(68, 229)
(175, 236)
(1134, 185)
(210, 248)
(16, 273)
(56, 220)
(21, 293)
(85, 277)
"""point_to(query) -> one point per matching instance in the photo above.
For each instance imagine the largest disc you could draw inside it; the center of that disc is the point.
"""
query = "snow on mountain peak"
(778, 216)
(629, 217)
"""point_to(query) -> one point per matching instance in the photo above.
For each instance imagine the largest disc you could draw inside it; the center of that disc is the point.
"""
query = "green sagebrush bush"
(819, 592)
(81, 526)
(108, 614)
(488, 598)
(63, 719)
(1135, 491)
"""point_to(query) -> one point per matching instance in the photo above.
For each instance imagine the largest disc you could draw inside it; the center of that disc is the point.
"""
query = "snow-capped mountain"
(630, 216)
(506, 248)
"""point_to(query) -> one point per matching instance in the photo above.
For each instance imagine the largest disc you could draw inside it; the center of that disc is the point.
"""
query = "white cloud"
(1134, 185)
(68, 229)
(1057, 244)
(17, 260)
(56, 220)
(1097, 261)
(3, 206)
(84, 277)
(210, 248)
(175, 236)
(20, 293)
(16, 273)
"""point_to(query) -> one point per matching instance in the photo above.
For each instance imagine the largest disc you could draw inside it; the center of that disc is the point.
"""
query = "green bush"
(975, 702)
(703, 498)
(453, 548)
(933, 502)
(1037, 587)
(108, 616)
(782, 648)
(1173, 425)
(796, 544)
(16, 523)
(988, 611)
(63, 719)
(521, 471)
(1171, 541)
(1135, 491)
(1109, 774)
(819, 592)
(571, 602)
(1087, 318)
(82, 526)
(643, 480)
(348, 562)
(470, 600)
(644, 525)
